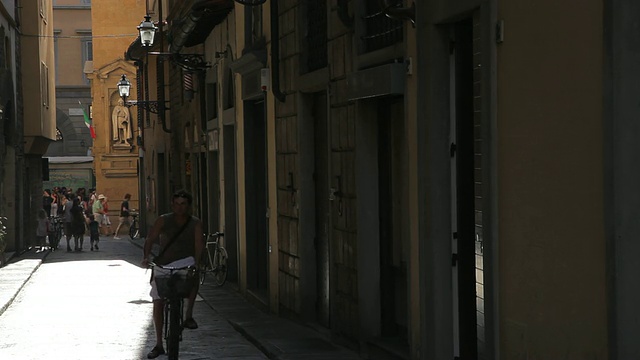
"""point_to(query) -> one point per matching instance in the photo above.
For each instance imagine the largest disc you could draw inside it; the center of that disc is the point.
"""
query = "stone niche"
(122, 134)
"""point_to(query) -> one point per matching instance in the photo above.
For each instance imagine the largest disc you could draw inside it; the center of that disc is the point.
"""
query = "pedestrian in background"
(97, 209)
(94, 232)
(68, 219)
(105, 216)
(124, 215)
(54, 204)
(46, 200)
(92, 197)
(78, 225)
(42, 229)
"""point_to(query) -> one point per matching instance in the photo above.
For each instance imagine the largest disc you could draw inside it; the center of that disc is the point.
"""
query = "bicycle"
(56, 230)
(134, 231)
(173, 284)
(215, 264)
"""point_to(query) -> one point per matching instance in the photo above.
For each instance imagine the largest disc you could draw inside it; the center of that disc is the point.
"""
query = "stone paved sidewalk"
(15, 274)
(276, 337)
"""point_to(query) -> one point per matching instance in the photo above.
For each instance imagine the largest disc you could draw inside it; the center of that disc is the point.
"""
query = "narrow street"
(95, 305)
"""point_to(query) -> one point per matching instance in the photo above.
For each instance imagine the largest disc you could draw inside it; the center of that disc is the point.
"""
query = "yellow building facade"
(115, 147)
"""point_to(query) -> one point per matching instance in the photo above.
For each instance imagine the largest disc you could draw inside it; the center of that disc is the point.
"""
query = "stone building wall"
(287, 160)
(290, 116)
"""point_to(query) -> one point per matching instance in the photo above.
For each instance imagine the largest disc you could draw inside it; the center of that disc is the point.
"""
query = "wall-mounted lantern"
(147, 31)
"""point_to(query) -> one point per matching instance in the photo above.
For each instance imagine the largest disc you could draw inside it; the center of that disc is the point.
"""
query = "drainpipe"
(160, 73)
(275, 53)
(140, 142)
(399, 13)
(139, 87)
(184, 30)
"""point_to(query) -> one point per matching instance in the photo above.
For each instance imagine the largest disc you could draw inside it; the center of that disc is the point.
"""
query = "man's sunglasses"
(182, 195)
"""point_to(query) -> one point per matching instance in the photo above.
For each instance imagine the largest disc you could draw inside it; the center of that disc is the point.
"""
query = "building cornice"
(73, 87)
(72, 7)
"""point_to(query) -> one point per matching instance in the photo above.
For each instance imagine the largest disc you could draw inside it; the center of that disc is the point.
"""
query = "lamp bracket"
(151, 106)
(394, 11)
(189, 62)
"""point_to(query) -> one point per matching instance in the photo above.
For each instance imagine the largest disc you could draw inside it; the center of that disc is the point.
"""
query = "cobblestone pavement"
(277, 337)
(95, 305)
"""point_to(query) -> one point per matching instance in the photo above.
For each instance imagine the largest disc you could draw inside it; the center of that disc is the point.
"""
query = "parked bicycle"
(173, 284)
(214, 259)
(55, 231)
(134, 230)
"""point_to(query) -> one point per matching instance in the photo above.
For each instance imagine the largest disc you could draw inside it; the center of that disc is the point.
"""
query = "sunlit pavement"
(95, 305)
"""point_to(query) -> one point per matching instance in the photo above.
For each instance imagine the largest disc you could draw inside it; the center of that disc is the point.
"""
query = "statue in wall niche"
(121, 122)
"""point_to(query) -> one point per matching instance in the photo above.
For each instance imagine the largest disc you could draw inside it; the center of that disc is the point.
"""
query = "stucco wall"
(69, 25)
(115, 168)
(550, 165)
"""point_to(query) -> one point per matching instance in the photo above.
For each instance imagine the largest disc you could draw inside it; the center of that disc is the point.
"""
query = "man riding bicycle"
(181, 242)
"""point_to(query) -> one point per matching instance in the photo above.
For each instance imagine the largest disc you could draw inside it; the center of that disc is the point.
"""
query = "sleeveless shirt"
(180, 248)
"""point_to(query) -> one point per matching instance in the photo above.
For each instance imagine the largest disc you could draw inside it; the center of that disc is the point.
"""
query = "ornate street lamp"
(147, 31)
(124, 86)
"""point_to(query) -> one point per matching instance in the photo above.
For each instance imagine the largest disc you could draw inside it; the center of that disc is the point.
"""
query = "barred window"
(380, 30)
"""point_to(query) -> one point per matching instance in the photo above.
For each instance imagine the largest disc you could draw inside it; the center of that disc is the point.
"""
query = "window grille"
(253, 25)
(87, 55)
(380, 30)
(88, 48)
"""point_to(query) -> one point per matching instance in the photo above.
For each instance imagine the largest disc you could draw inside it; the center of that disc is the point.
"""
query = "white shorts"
(188, 261)
(98, 218)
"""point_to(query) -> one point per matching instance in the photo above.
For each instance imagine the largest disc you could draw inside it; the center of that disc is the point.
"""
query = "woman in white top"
(54, 205)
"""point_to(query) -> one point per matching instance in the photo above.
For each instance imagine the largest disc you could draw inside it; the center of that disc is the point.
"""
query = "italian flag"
(87, 122)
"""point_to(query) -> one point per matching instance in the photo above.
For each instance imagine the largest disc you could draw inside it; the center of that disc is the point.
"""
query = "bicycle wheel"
(220, 266)
(133, 231)
(173, 333)
(59, 236)
(205, 265)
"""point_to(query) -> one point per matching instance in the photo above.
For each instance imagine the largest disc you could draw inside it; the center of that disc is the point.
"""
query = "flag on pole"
(87, 122)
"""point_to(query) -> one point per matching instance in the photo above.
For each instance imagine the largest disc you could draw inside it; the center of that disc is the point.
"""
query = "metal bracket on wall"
(150, 106)
(189, 62)
(396, 11)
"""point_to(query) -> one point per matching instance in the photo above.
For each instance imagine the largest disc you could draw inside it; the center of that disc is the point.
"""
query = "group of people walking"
(79, 213)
